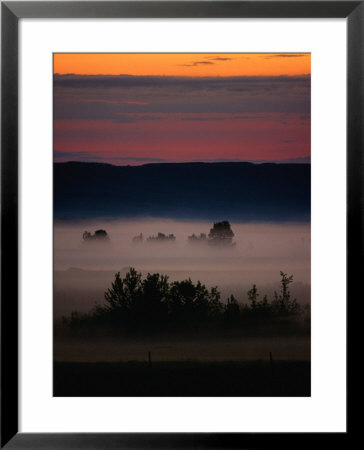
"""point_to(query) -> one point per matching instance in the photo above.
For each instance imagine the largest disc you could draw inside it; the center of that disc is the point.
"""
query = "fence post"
(271, 370)
(149, 359)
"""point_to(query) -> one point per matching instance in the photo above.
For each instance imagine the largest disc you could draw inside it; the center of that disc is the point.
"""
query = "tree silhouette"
(138, 239)
(115, 297)
(253, 296)
(181, 300)
(161, 237)
(215, 305)
(132, 287)
(221, 234)
(193, 239)
(124, 293)
(99, 235)
(134, 304)
(264, 308)
(282, 303)
(86, 235)
(232, 310)
(151, 308)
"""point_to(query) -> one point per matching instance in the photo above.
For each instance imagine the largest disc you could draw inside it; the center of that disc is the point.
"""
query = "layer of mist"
(84, 270)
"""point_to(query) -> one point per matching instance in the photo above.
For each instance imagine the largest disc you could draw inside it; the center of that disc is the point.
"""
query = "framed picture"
(185, 201)
(193, 171)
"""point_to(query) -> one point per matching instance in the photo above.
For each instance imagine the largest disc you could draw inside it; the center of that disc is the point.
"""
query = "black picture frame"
(11, 12)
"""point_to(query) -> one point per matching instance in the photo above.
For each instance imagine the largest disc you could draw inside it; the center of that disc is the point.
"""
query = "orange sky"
(183, 64)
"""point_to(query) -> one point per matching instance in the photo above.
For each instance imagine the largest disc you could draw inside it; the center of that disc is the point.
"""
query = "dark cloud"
(226, 117)
(303, 160)
(285, 55)
(220, 58)
(81, 156)
(202, 119)
(306, 116)
(184, 83)
(198, 63)
(215, 160)
(122, 98)
(103, 156)
(125, 118)
(141, 159)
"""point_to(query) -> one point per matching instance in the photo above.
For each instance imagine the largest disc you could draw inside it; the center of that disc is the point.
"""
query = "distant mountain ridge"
(239, 191)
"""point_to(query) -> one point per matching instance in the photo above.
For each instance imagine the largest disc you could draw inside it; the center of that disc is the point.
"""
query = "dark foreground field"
(183, 379)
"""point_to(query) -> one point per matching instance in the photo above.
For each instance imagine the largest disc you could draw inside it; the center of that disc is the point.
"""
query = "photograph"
(182, 224)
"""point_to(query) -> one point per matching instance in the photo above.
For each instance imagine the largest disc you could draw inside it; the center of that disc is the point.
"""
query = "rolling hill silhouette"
(237, 191)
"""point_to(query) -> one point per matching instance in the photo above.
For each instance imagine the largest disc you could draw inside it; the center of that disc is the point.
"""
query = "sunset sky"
(129, 109)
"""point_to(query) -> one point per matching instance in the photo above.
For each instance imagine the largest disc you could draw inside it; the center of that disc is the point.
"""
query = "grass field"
(183, 379)
(182, 348)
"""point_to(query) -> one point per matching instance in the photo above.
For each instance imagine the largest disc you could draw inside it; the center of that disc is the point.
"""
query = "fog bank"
(260, 252)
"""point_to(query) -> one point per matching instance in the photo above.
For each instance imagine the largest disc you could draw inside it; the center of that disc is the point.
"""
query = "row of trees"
(161, 237)
(220, 234)
(155, 304)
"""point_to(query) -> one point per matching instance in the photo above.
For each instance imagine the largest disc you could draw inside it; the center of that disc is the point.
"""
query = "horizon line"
(260, 162)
